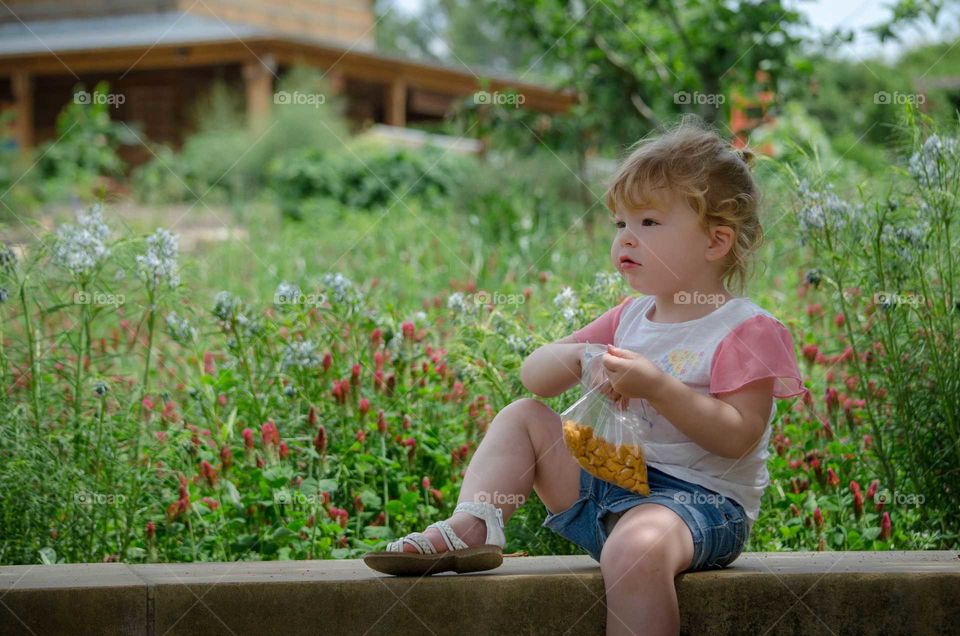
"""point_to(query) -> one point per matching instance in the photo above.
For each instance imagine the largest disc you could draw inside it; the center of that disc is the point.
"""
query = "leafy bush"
(364, 176)
(225, 159)
(884, 262)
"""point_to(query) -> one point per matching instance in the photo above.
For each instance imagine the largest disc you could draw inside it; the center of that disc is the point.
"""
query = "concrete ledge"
(790, 593)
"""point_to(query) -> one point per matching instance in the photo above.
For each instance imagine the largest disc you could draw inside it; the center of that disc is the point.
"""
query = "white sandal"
(458, 557)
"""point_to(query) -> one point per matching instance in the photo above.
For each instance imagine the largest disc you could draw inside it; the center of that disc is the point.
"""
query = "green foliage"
(364, 177)
(226, 159)
(87, 139)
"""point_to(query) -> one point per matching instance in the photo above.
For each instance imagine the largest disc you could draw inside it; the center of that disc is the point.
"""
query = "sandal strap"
(449, 536)
(418, 540)
(492, 515)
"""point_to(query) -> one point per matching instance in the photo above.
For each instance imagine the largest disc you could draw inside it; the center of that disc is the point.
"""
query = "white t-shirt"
(735, 344)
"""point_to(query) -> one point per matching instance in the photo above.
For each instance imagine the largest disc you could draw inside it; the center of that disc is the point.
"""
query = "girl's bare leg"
(522, 449)
(649, 545)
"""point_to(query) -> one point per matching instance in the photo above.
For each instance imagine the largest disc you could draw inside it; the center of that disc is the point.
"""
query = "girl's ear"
(721, 241)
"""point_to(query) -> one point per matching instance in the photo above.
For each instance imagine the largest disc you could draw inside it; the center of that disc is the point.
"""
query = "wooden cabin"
(161, 54)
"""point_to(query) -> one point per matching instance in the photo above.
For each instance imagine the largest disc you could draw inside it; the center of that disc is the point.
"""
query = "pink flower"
(284, 450)
(364, 406)
(886, 528)
(226, 457)
(408, 329)
(269, 434)
(209, 473)
(208, 366)
(151, 530)
(818, 518)
(248, 438)
(320, 441)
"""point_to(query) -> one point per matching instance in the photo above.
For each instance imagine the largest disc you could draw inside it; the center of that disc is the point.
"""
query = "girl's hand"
(598, 379)
(631, 374)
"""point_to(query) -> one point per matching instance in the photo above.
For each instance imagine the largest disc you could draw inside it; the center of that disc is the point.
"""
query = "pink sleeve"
(759, 347)
(601, 330)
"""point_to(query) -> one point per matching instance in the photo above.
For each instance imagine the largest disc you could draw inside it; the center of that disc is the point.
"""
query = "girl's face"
(661, 249)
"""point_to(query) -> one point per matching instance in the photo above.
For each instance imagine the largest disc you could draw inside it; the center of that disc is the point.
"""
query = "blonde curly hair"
(693, 160)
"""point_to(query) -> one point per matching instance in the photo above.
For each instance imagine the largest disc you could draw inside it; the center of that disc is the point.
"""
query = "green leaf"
(282, 532)
(233, 495)
(395, 507)
(48, 556)
(377, 532)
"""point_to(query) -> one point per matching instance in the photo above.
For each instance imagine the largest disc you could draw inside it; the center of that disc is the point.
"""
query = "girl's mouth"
(626, 263)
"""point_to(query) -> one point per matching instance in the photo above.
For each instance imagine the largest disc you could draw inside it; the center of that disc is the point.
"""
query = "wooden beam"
(353, 64)
(22, 84)
(258, 81)
(395, 103)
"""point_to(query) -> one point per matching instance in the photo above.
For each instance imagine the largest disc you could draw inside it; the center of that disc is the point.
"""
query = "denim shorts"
(718, 524)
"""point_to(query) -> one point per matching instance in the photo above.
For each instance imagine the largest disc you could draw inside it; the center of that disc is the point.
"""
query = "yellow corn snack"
(622, 465)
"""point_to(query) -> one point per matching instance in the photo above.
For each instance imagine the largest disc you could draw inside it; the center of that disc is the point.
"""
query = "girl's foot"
(460, 544)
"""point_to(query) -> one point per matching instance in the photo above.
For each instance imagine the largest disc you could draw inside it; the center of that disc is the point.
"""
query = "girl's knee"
(640, 552)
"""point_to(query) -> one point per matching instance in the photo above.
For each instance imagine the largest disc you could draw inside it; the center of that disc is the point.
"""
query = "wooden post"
(395, 103)
(22, 84)
(258, 80)
(337, 81)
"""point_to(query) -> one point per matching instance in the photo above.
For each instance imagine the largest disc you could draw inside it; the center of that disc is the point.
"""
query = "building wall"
(348, 22)
(33, 10)
(345, 22)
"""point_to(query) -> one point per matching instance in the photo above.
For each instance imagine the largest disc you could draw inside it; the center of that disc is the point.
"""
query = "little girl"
(699, 365)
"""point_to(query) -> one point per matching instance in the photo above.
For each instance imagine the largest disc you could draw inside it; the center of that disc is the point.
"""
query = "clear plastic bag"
(603, 438)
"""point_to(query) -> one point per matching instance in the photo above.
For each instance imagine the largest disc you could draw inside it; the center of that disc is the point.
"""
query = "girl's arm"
(553, 368)
(729, 426)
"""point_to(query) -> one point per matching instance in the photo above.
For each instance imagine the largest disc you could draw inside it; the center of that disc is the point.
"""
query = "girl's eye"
(652, 222)
(620, 224)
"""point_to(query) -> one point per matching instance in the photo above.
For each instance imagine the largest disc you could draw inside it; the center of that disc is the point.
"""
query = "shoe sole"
(475, 559)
